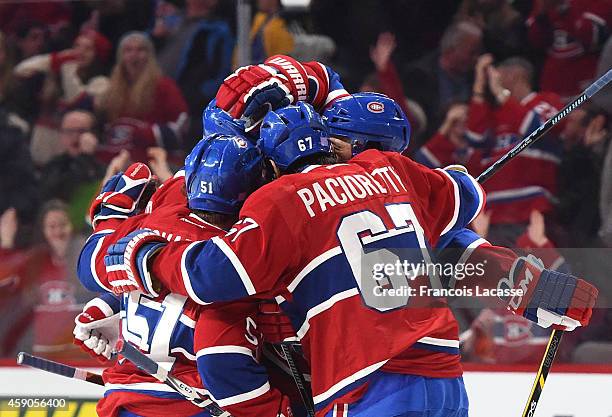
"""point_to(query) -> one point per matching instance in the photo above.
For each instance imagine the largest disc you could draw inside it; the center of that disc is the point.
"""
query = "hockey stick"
(550, 123)
(152, 368)
(46, 365)
(298, 378)
(556, 335)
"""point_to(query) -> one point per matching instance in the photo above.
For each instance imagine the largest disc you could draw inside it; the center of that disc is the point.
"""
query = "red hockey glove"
(97, 327)
(253, 90)
(121, 195)
(127, 262)
(548, 297)
(273, 323)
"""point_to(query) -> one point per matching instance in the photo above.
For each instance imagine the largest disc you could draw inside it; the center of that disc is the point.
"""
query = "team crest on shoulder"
(376, 107)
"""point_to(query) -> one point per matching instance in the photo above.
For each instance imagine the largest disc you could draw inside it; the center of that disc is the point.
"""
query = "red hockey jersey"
(176, 332)
(572, 32)
(338, 216)
(529, 180)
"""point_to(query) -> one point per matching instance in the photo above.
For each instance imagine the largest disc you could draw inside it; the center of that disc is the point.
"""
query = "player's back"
(380, 209)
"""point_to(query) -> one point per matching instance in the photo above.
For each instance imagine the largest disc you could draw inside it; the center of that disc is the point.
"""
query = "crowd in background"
(89, 86)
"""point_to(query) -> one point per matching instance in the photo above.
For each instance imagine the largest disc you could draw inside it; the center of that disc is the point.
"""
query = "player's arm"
(121, 197)
(544, 296)
(248, 260)
(227, 346)
(526, 288)
(449, 199)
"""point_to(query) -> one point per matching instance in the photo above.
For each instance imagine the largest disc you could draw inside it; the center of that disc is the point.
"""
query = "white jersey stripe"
(244, 397)
(186, 279)
(347, 381)
(439, 342)
(325, 256)
(244, 276)
(92, 264)
(457, 202)
(225, 349)
(325, 305)
(140, 386)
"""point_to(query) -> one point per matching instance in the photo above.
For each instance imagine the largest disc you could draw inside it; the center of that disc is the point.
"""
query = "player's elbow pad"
(470, 198)
(86, 265)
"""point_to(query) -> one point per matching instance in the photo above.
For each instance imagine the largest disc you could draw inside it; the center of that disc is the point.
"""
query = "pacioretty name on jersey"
(343, 189)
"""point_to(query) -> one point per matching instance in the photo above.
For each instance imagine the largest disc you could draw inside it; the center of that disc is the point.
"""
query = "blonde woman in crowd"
(143, 108)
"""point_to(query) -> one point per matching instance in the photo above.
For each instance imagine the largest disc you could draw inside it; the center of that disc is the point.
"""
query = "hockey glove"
(121, 194)
(274, 325)
(253, 90)
(97, 327)
(548, 298)
(126, 262)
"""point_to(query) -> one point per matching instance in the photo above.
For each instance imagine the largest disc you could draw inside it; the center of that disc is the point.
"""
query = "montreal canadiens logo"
(376, 107)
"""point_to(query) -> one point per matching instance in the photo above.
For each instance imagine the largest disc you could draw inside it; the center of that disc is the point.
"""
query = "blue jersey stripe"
(204, 263)
(229, 374)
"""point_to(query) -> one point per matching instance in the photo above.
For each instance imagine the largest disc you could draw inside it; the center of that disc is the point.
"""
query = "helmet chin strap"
(277, 172)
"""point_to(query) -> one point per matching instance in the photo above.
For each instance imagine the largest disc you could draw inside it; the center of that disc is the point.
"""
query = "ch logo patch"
(376, 107)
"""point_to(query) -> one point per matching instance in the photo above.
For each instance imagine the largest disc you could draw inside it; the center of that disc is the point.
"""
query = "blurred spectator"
(269, 34)
(580, 175)
(142, 107)
(10, 100)
(197, 54)
(73, 175)
(502, 26)
(114, 18)
(26, 19)
(158, 162)
(18, 186)
(6, 71)
(386, 80)
(504, 109)
(311, 46)
(449, 145)
(79, 69)
(74, 80)
(31, 40)
(572, 34)
(605, 204)
(604, 97)
(43, 288)
(444, 76)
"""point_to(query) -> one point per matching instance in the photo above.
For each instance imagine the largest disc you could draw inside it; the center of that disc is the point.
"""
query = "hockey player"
(311, 237)
(173, 330)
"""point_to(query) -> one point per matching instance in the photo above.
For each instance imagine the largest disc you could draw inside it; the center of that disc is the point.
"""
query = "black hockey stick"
(152, 368)
(300, 382)
(556, 335)
(46, 365)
